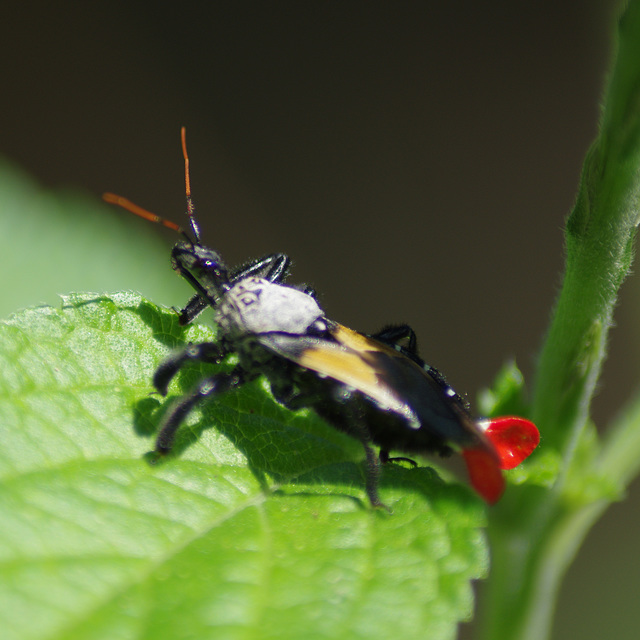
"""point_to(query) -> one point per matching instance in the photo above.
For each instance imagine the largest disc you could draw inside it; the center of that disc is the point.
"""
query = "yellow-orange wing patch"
(354, 360)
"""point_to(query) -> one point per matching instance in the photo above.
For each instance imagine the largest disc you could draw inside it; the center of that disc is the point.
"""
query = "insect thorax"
(256, 306)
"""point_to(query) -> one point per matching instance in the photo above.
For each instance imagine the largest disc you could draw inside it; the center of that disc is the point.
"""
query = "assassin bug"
(374, 387)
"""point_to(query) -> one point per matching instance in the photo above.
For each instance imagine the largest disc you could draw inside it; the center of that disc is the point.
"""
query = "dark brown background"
(416, 160)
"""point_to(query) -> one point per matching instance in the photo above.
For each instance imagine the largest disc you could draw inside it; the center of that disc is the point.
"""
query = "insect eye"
(207, 264)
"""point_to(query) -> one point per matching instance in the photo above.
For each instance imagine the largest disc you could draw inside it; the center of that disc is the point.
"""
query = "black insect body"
(375, 388)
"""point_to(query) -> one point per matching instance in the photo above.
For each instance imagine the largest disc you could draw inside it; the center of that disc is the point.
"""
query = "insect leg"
(273, 268)
(385, 457)
(213, 385)
(354, 425)
(359, 430)
(373, 475)
(192, 309)
(393, 335)
(204, 352)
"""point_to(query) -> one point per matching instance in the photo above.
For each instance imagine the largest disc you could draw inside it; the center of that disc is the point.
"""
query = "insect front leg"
(273, 268)
(192, 309)
(212, 352)
(211, 386)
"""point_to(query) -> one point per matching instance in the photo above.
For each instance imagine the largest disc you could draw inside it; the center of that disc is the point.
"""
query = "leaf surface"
(257, 527)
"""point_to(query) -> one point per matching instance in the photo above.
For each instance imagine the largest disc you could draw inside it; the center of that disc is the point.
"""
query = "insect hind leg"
(395, 334)
(360, 430)
(372, 479)
(385, 457)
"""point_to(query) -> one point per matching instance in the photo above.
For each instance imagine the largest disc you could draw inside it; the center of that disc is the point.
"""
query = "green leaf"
(258, 526)
(506, 395)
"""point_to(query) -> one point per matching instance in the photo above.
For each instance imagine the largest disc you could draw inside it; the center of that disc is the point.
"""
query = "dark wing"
(397, 383)
(388, 377)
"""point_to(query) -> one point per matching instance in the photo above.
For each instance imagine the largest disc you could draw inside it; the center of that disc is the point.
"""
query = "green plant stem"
(620, 457)
(535, 535)
(531, 601)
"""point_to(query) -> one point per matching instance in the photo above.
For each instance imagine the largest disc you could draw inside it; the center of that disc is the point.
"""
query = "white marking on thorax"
(255, 306)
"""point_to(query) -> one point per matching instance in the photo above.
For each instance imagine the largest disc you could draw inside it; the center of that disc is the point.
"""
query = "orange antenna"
(112, 198)
(191, 210)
